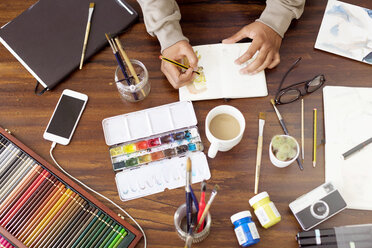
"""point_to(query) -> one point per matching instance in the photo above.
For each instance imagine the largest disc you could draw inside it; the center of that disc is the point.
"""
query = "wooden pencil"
(33, 215)
(17, 193)
(302, 131)
(24, 198)
(70, 213)
(103, 233)
(29, 203)
(91, 216)
(176, 63)
(69, 228)
(40, 216)
(49, 227)
(30, 239)
(78, 227)
(314, 138)
(96, 232)
(29, 211)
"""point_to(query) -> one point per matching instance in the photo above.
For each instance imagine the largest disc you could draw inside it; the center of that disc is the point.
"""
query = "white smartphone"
(66, 116)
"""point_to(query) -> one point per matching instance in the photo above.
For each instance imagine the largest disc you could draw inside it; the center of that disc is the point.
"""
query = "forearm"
(162, 20)
(278, 14)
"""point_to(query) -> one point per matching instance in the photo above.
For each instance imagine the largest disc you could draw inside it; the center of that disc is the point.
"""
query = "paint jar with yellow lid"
(265, 210)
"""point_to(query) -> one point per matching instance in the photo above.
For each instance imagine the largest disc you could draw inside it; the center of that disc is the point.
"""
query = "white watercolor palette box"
(148, 149)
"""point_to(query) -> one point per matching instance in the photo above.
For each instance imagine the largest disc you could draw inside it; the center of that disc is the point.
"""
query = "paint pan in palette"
(149, 149)
(155, 148)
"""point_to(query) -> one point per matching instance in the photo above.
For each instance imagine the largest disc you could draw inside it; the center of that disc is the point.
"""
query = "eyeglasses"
(296, 91)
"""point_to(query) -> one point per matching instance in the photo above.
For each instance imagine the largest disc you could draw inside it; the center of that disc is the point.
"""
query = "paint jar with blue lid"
(245, 229)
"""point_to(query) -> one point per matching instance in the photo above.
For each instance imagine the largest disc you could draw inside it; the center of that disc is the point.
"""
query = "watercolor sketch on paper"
(346, 30)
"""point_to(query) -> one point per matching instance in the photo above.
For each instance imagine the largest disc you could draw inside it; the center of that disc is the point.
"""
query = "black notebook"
(48, 37)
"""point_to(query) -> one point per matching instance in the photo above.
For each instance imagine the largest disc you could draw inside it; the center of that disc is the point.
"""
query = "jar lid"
(240, 215)
(258, 198)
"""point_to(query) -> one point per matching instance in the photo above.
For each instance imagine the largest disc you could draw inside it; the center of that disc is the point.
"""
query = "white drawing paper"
(222, 76)
(346, 30)
(348, 122)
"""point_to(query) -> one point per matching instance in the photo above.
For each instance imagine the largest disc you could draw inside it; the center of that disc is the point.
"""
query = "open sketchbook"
(348, 122)
(346, 30)
(220, 77)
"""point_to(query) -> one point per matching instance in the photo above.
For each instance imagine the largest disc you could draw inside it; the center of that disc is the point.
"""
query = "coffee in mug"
(224, 127)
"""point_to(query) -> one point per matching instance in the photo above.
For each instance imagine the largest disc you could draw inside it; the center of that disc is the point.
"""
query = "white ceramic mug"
(279, 163)
(218, 144)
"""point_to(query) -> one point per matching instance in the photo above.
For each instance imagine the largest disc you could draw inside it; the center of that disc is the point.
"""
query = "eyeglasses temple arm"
(285, 75)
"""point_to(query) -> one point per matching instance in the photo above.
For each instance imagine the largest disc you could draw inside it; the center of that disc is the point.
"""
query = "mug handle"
(213, 149)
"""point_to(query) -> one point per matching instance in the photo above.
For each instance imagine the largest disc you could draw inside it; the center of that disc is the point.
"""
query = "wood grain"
(203, 22)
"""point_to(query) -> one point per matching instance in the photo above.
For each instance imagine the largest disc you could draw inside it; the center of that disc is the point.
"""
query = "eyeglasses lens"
(315, 84)
(290, 96)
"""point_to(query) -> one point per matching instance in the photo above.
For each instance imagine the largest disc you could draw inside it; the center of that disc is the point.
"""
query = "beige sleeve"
(162, 19)
(278, 14)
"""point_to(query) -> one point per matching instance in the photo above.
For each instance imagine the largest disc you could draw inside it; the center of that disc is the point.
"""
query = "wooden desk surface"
(27, 115)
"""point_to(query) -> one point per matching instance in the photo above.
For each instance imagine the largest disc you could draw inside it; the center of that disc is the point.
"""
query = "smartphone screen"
(65, 116)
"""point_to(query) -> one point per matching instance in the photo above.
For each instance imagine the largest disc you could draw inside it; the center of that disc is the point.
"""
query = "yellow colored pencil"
(176, 63)
(48, 217)
(87, 30)
(302, 131)
(314, 138)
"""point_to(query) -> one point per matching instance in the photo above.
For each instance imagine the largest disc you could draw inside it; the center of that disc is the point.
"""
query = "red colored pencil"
(24, 197)
(29, 203)
(31, 175)
(43, 196)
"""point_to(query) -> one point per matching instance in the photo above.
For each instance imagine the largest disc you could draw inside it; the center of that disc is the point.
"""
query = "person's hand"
(265, 40)
(173, 73)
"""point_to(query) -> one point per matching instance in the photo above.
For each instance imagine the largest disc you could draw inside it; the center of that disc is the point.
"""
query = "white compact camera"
(317, 206)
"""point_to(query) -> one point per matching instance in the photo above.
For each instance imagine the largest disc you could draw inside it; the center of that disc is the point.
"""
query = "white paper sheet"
(348, 122)
(346, 31)
(223, 79)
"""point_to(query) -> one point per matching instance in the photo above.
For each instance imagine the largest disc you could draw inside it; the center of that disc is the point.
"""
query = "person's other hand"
(265, 40)
(173, 73)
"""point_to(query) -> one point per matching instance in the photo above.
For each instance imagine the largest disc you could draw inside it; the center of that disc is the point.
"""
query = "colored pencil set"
(357, 236)
(40, 210)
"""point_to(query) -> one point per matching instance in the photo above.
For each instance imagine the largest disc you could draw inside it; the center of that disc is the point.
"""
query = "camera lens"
(320, 210)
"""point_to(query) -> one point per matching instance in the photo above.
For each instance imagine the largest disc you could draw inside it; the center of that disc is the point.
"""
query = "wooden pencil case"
(103, 218)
